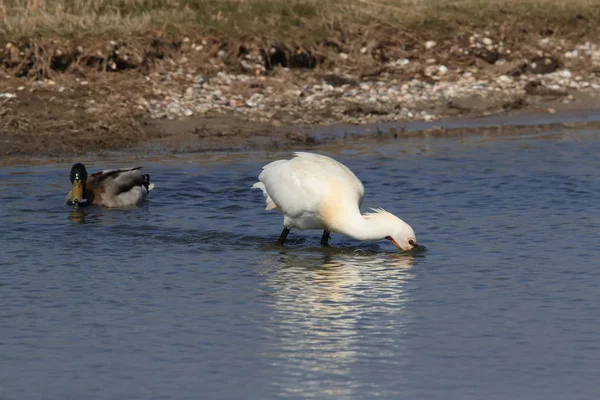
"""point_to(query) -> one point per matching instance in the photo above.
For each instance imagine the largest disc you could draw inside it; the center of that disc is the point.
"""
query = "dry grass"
(299, 19)
(63, 35)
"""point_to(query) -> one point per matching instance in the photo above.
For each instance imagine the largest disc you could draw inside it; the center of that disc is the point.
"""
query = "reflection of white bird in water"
(316, 192)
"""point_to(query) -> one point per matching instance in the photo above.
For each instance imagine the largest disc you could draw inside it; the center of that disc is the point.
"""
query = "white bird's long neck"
(358, 227)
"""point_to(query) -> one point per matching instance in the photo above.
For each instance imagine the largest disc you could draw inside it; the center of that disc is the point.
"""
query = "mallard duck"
(108, 188)
(316, 192)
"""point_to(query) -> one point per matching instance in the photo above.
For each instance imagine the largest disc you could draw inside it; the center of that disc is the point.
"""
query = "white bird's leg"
(325, 238)
(283, 236)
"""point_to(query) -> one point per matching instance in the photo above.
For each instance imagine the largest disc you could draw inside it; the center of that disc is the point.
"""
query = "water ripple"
(188, 294)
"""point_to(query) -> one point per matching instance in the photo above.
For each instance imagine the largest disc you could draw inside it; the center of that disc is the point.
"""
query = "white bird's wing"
(299, 185)
(283, 189)
(330, 165)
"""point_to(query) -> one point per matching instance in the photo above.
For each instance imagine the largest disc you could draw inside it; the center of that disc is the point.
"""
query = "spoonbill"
(314, 191)
(108, 188)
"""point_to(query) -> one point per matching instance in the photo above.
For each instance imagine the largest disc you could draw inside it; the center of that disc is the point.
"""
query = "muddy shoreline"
(177, 138)
(177, 98)
(148, 138)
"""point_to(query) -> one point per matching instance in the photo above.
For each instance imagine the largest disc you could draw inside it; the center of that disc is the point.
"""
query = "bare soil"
(96, 110)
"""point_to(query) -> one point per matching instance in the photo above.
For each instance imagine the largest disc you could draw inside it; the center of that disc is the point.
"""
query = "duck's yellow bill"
(77, 192)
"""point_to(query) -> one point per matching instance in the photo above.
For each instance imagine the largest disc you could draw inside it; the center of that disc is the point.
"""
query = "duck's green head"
(78, 179)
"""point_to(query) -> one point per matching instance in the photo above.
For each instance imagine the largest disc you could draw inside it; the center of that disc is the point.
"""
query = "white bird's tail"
(270, 204)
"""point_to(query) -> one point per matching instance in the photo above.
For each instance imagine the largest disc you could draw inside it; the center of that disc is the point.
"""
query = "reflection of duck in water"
(108, 188)
(77, 215)
(316, 192)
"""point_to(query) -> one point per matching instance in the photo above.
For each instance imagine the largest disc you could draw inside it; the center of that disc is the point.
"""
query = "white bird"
(313, 191)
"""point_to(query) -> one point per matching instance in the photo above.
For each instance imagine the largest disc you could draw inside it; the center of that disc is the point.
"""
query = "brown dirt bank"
(202, 89)
(85, 136)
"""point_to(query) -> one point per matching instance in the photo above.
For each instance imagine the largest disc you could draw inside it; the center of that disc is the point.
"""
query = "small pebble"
(565, 73)
(430, 44)
(405, 86)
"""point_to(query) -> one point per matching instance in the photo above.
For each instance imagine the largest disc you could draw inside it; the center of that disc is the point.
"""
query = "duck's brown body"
(109, 188)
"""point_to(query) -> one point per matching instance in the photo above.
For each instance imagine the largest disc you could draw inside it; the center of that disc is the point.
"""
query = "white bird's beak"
(397, 245)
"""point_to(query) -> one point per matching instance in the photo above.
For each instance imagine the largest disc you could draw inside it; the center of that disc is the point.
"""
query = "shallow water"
(186, 297)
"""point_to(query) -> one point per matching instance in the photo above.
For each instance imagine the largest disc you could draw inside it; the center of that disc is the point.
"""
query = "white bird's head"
(397, 231)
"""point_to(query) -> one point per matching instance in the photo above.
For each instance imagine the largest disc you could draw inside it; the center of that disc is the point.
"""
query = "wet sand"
(165, 138)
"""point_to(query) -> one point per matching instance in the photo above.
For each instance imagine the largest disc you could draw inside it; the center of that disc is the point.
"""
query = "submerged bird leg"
(283, 236)
(325, 238)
